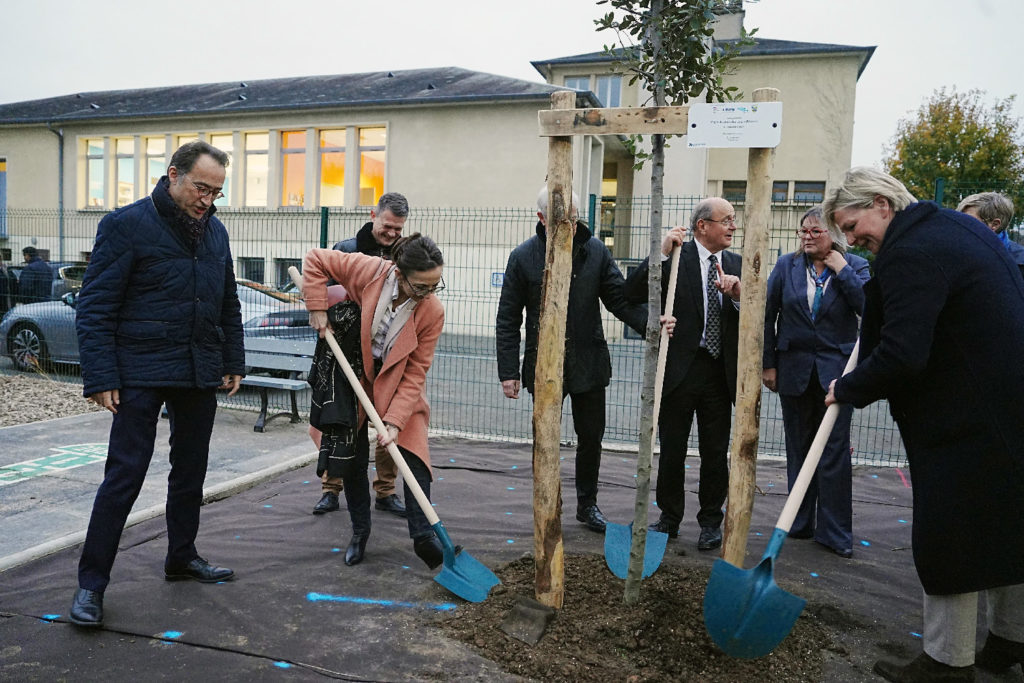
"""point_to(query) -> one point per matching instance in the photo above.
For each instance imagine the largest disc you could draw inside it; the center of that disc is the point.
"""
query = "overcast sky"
(59, 47)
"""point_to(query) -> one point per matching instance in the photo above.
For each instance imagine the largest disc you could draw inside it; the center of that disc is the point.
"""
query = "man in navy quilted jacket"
(158, 322)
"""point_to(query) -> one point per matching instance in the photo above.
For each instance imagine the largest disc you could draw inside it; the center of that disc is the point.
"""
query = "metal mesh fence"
(463, 388)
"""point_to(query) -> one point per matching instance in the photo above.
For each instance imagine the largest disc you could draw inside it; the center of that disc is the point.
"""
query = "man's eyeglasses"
(424, 290)
(205, 190)
(725, 221)
(813, 232)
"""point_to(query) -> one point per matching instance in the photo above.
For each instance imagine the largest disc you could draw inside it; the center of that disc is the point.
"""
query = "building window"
(257, 146)
(577, 82)
(809, 192)
(332, 167)
(184, 139)
(281, 266)
(609, 90)
(251, 269)
(780, 191)
(293, 168)
(124, 150)
(372, 152)
(94, 173)
(156, 160)
(734, 190)
(225, 142)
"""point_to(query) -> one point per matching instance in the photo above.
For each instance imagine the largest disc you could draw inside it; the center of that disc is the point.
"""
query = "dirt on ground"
(596, 637)
(28, 398)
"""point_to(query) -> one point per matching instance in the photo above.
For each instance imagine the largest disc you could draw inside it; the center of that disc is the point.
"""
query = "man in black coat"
(941, 339)
(700, 370)
(8, 289)
(587, 368)
(373, 239)
(36, 282)
(158, 322)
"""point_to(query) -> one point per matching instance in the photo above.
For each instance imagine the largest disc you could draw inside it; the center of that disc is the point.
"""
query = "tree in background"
(667, 45)
(955, 136)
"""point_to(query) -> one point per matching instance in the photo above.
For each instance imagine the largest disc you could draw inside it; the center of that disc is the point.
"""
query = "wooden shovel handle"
(374, 416)
(803, 480)
(659, 375)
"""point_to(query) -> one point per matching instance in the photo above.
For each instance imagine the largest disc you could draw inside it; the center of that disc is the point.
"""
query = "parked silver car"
(35, 335)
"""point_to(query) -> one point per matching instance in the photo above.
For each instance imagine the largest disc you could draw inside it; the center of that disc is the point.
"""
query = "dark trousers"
(827, 510)
(703, 392)
(588, 422)
(357, 489)
(129, 452)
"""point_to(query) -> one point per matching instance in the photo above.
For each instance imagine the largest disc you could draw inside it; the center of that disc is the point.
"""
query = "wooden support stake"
(743, 455)
(547, 389)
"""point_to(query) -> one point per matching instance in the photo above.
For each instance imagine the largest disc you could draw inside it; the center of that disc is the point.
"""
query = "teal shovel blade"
(618, 539)
(745, 613)
(462, 573)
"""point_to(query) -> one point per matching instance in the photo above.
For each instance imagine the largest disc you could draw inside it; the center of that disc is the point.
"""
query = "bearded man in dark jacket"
(587, 368)
(158, 321)
(375, 238)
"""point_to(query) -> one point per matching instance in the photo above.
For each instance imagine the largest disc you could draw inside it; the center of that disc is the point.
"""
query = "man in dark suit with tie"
(700, 372)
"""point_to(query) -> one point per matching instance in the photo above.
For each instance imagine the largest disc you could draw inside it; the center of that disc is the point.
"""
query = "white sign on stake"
(735, 124)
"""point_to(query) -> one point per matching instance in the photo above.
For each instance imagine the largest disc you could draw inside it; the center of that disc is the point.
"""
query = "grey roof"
(761, 47)
(380, 88)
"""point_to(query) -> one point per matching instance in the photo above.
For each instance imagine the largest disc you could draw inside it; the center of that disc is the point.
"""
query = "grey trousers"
(950, 621)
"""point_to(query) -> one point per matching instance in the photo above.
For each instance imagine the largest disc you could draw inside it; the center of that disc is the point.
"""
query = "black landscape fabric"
(296, 612)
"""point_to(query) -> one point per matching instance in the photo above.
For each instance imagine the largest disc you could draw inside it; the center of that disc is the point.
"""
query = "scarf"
(192, 229)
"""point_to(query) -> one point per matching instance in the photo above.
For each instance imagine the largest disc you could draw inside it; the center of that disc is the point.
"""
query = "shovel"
(618, 537)
(461, 573)
(745, 613)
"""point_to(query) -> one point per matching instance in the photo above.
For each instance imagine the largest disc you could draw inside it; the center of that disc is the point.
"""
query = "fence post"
(323, 226)
(940, 190)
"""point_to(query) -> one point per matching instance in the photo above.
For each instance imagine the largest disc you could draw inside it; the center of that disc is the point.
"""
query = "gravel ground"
(33, 397)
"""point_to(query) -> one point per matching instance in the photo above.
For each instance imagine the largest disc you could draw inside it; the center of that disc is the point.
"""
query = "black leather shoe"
(198, 570)
(328, 503)
(430, 550)
(356, 548)
(923, 669)
(392, 504)
(665, 528)
(87, 608)
(845, 553)
(710, 538)
(999, 654)
(592, 518)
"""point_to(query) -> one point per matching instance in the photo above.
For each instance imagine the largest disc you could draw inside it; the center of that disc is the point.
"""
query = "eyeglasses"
(206, 190)
(424, 290)
(731, 220)
(814, 233)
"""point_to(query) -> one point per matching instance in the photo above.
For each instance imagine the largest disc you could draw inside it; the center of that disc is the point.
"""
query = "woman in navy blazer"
(815, 297)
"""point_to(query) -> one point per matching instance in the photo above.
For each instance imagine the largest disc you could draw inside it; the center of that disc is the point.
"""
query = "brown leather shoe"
(924, 669)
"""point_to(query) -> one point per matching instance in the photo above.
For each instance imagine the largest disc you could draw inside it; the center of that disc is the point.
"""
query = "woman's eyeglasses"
(424, 290)
(813, 232)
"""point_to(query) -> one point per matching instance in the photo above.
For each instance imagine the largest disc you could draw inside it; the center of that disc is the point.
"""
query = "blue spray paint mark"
(50, 617)
(758, 533)
(771, 484)
(865, 543)
(170, 635)
(562, 458)
(916, 635)
(514, 467)
(306, 482)
(508, 513)
(282, 665)
(902, 521)
(335, 550)
(814, 574)
(510, 541)
(405, 566)
(440, 478)
(324, 597)
(451, 459)
(268, 506)
(237, 537)
(510, 488)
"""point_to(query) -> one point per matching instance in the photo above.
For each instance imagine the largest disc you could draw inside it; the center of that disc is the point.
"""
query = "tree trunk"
(547, 391)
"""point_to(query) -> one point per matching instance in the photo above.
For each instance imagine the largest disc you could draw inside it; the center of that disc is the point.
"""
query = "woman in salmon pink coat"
(401, 320)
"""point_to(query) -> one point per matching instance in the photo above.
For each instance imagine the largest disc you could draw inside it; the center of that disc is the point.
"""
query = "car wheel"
(27, 347)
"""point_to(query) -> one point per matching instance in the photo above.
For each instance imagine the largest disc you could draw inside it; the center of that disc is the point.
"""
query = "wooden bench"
(291, 356)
